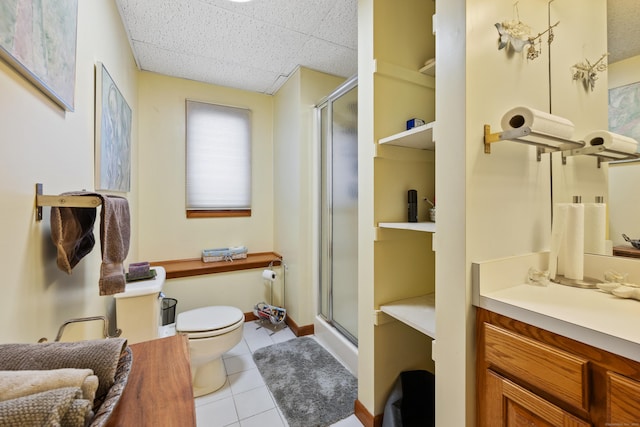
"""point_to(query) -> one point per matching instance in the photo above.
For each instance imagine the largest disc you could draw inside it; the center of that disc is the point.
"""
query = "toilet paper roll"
(595, 228)
(538, 121)
(612, 141)
(269, 275)
(572, 251)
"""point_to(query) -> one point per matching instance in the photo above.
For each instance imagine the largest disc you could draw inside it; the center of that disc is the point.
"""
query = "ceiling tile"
(252, 46)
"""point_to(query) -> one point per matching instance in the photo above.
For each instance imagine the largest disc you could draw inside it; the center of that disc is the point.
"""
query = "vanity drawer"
(546, 368)
(623, 400)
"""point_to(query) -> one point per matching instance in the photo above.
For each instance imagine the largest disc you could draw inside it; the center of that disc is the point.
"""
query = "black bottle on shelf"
(412, 196)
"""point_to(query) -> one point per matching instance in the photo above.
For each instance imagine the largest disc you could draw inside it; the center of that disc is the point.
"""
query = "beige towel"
(50, 408)
(14, 384)
(101, 356)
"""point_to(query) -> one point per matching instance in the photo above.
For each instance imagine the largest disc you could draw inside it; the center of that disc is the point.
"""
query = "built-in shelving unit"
(418, 312)
(420, 137)
(428, 227)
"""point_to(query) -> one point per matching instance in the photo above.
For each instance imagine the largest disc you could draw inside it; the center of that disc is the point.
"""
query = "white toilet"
(212, 331)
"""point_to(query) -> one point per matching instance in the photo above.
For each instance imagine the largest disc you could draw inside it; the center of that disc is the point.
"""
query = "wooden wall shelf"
(195, 267)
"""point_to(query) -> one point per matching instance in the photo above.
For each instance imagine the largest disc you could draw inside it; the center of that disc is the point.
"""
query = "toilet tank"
(138, 308)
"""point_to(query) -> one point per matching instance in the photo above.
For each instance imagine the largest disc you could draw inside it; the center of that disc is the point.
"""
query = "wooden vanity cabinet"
(527, 376)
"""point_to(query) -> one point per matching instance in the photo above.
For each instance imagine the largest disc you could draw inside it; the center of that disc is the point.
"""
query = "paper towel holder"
(545, 143)
(525, 135)
(585, 283)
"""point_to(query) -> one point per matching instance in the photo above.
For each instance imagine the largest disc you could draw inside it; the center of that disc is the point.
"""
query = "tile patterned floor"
(245, 400)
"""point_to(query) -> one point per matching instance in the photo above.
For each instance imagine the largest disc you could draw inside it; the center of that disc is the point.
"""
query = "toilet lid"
(208, 318)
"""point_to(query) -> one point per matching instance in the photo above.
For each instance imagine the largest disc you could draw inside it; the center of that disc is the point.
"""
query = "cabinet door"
(623, 400)
(509, 405)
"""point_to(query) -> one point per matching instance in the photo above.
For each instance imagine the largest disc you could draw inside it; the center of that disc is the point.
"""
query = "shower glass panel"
(339, 192)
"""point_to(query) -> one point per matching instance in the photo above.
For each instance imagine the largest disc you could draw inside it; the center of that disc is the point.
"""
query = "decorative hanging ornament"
(517, 35)
(588, 72)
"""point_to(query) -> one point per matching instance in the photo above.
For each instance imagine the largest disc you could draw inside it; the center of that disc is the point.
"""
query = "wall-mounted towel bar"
(69, 201)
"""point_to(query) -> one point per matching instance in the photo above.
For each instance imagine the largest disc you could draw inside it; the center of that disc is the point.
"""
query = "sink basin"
(144, 287)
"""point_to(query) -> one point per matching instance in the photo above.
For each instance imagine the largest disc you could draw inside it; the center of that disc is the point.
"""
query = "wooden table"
(159, 390)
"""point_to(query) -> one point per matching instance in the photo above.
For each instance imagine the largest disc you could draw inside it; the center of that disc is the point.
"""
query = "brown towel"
(101, 356)
(72, 233)
(115, 232)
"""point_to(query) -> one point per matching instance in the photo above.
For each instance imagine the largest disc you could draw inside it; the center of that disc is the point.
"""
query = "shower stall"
(337, 117)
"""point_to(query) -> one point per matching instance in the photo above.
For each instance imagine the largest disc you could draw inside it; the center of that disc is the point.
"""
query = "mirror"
(613, 180)
(623, 38)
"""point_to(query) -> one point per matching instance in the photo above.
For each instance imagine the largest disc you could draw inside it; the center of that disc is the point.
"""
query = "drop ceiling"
(256, 45)
(253, 46)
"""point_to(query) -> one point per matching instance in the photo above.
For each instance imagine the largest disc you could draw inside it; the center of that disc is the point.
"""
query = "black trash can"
(412, 401)
(168, 311)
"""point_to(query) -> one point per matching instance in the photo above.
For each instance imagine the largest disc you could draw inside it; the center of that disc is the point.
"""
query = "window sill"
(195, 267)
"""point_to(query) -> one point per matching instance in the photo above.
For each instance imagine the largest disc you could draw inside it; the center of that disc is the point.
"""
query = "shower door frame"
(348, 85)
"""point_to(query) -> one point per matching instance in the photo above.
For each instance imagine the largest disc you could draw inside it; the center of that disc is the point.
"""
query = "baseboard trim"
(298, 331)
(365, 417)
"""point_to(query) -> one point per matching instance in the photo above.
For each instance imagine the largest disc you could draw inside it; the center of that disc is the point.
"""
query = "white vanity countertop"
(590, 316)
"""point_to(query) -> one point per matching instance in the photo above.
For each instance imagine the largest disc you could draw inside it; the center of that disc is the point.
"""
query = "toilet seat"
(207, 322)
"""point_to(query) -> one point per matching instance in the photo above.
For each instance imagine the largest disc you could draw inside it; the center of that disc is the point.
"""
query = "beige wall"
(165, 232)
(41, 143)
(295, 188)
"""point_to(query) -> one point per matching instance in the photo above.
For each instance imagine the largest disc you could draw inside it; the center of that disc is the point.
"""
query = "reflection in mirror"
(623, 37)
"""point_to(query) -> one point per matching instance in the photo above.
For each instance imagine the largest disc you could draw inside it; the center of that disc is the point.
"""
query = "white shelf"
(418, 312)
(420, 137)
(427, 227)
(429, 68)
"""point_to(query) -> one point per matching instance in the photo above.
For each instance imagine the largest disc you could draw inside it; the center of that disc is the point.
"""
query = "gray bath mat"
(310, 386)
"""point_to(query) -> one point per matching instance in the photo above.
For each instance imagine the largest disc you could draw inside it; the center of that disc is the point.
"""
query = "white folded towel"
(14, 384)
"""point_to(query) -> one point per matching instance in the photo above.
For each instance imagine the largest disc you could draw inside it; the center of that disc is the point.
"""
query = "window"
(218, 160)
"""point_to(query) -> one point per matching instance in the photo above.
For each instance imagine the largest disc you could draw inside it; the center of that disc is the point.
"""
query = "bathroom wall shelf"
(544, 143)
(428, 227)
(418, 312)
(66, 201)
(429, 68)
(177, 268)
(420, 137)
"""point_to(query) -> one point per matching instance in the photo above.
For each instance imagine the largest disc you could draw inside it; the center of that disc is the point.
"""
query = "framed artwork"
(113, 135)
(38, 39)
(624, 110)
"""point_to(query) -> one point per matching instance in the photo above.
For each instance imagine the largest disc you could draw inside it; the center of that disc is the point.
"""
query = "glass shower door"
(339, 224)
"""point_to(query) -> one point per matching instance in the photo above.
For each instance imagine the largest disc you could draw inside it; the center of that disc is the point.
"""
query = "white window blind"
(218, 157)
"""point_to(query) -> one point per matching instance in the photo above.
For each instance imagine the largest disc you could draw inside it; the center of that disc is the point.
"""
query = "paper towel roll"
(572, 251)
(595, 228)
(269, 275)
(612, 141)
(538, 121)
(557, 235)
